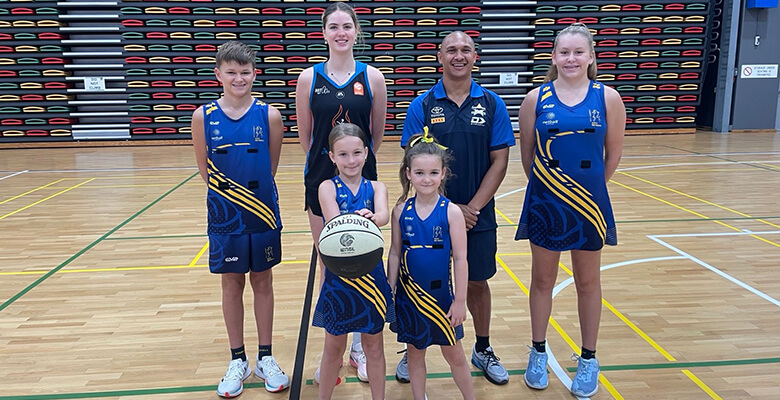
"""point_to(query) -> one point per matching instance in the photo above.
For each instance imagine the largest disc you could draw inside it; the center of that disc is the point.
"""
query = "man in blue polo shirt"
(474, 124)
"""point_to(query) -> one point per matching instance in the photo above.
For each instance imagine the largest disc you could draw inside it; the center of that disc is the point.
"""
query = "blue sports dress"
(354, 305)
(566, 204)
(424, 289)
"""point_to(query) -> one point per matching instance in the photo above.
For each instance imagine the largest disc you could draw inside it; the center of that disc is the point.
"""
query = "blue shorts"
(241, 253)
(481, 254)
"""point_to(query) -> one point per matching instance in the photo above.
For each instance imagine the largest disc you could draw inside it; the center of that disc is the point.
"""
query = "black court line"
(300, 353)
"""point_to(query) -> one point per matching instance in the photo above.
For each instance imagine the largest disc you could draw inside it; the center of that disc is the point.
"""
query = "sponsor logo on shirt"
(322, 90)
(548, 106)
(357, 89)
(478, 115)
(437, 115)
(550, 119)
(231, 259)
(339, 95)
(213, 123)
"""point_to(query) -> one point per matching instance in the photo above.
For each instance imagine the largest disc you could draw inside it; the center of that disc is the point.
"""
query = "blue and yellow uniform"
(244, 224)
(333, 104)
(424, 289)
(471, 132)
(566, 203)
(354, 305)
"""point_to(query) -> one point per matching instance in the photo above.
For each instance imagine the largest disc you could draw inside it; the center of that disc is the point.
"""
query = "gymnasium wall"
(86, 70)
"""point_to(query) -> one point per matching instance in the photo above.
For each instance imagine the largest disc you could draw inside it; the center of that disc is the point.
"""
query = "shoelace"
(586, 366)
(270, 367)
(361, 357)
(539, 364)
(235, 370)
(490, 357)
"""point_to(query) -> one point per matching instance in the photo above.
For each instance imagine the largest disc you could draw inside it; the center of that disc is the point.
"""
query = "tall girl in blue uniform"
(329, 93)
(571, 137)
(427, 232)
(353, 305)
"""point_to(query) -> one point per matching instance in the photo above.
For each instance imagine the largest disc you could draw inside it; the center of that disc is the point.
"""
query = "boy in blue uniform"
(237, 142)
(474, 124)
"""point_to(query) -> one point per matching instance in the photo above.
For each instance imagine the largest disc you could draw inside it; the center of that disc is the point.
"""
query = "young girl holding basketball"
(353, 305)
(428, 232)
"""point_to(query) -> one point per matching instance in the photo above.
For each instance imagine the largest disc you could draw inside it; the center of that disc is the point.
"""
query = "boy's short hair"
(237, 52)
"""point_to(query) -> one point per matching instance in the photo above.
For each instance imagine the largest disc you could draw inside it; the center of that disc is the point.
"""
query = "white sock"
(356, 341)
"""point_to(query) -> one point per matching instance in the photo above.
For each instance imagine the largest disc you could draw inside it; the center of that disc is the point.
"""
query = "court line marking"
(696, 164)
(91, 245)
(31, 191)
(46, 198)
(716, 270)
(696, 198)
(702, 215)
(14, 174)
(389, 378)
(552, 361)
(121, 269)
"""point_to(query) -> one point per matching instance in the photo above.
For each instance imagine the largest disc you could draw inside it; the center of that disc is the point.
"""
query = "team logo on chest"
(357, 89)
(438, 234)
(595, 118)
(437, 115)
(258, 133)
(478, 115)
(340, 95)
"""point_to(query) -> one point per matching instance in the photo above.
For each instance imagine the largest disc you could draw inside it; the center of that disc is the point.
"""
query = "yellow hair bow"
(425, 138)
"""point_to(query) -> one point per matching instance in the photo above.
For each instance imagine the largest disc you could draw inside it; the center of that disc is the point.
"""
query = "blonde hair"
(576, 28)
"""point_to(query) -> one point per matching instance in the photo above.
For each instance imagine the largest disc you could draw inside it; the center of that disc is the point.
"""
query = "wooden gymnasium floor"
(105, 291)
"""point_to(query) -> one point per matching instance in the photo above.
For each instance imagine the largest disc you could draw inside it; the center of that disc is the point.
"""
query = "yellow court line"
(603, 379)
(679, 171)
(137, 185)
(31, 191)
(698, 199)
(134, 177)
(638, 331)
(701, 384)
(47, 198)
(200, 254)
(154, 267)
(700, 215)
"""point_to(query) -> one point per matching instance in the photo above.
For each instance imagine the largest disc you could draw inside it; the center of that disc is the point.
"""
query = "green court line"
(644, 221)
(91, 245)
(438, 375)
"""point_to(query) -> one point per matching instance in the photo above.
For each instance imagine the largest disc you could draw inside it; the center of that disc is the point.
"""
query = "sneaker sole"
(489, 378)
(270, 388)
(585, 394)
(532, 386)
(353, 364)
(402, 380)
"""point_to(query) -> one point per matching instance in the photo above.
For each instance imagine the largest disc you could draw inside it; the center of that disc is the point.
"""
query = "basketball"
(351, 245)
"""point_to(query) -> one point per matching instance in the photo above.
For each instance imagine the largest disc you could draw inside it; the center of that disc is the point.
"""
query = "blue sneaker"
(488, 363)
(586, 382)
(536, 374)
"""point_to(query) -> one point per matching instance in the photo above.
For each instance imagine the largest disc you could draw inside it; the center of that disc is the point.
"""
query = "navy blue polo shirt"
(480, 125)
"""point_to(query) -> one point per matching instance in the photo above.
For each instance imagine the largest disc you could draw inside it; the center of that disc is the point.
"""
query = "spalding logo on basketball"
(351, 245)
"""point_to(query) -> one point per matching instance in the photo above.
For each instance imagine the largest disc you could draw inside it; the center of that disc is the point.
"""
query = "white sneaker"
(232, 384)
(268, 370)
(357, 359)
(317, 377)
